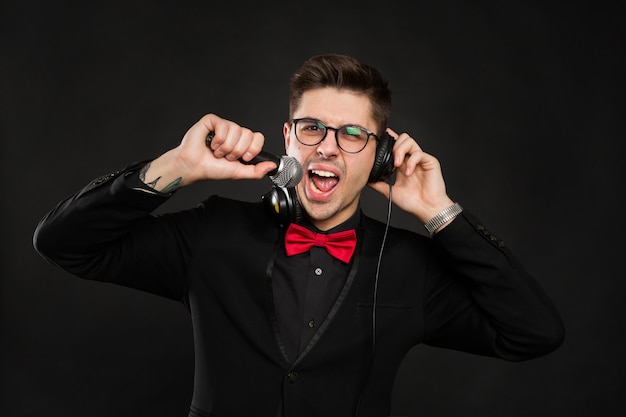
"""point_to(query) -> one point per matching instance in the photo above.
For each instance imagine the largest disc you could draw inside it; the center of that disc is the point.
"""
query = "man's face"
(333, 179)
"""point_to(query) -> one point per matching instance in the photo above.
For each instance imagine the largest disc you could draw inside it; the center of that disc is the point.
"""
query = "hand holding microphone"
(188, 163)
(288, 172)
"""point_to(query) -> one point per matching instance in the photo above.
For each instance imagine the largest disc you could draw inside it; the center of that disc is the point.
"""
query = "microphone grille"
(289, 172)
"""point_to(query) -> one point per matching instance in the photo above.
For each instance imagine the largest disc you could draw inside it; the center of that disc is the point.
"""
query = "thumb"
(381, 187)
(263, 168)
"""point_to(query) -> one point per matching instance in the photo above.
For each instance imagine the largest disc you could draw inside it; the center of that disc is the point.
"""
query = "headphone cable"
(380, 257)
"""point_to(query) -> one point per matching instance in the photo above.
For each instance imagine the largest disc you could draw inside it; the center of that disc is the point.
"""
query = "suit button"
(293, 377)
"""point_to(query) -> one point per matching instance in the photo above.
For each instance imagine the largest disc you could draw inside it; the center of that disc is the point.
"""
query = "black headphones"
(283, 202)
(383, 163)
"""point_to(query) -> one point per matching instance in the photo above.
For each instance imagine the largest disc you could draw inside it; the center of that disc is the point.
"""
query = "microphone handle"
(261, 157)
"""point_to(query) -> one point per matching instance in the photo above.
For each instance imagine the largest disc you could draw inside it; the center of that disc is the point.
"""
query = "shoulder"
(226, 214)
(401, 242)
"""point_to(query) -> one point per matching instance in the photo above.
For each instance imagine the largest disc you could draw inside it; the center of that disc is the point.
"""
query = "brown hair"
(342, 72)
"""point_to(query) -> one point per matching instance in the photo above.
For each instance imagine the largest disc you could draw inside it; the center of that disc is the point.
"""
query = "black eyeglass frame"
(294, 122)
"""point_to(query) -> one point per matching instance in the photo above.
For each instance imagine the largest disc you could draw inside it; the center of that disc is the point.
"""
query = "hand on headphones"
(419, 187)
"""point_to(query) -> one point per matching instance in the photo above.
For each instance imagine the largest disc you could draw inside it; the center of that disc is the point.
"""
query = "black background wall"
(522, 102)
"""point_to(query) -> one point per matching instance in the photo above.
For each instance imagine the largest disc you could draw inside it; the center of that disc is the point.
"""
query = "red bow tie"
(341, 245)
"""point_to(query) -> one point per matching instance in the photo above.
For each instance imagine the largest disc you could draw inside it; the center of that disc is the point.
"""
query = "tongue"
(324, 183)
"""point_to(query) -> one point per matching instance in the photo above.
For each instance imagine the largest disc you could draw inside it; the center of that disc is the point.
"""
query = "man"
(284, 332)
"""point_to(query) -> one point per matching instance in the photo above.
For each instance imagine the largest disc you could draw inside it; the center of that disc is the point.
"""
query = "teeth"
(323, 173)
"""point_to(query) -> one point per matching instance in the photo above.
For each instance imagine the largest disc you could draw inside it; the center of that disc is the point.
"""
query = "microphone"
(288, 172)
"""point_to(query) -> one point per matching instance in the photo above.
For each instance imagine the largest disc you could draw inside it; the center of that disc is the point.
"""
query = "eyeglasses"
(350, 138)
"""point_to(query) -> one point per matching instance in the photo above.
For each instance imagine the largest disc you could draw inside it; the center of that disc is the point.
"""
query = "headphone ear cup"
(283, 204)
(297, 213)
(383, 164)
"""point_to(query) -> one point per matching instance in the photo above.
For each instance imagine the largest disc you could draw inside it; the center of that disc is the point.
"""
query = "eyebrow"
(338, 127)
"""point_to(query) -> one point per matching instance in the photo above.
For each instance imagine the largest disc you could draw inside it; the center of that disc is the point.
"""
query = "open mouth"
(321, 181)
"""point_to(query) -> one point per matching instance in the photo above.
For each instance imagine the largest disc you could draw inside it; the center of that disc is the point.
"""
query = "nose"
(329, 147)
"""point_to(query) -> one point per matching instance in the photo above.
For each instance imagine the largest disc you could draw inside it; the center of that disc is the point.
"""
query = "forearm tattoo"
(172, 185)
(152, 184)
(142, 176)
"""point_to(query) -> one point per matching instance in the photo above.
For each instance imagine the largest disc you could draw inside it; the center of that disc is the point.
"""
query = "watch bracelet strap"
(443, 217)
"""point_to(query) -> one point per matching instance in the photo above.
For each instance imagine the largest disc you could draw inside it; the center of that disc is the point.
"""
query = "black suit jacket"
(461, 290)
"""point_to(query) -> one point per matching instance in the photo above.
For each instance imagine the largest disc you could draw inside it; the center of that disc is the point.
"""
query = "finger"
(406, 142)
(255, 171)
(392, 133)
(413, 160)
(255, 146)
(404, 147)
(226, 136)
(424, 162)
(230, 140)
(218, 134)
(215, 124)
(263, 168)
(237, 143)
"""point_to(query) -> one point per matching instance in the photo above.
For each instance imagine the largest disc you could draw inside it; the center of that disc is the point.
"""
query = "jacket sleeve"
(483, 301)
(105, 232)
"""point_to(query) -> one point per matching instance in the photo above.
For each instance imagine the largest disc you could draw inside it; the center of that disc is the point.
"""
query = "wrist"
(163, 175)
(443, 218)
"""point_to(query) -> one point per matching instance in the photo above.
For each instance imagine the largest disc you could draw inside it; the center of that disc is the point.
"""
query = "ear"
(287, 133)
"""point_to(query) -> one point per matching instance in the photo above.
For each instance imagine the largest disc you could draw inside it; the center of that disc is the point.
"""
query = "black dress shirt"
(305, 287)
